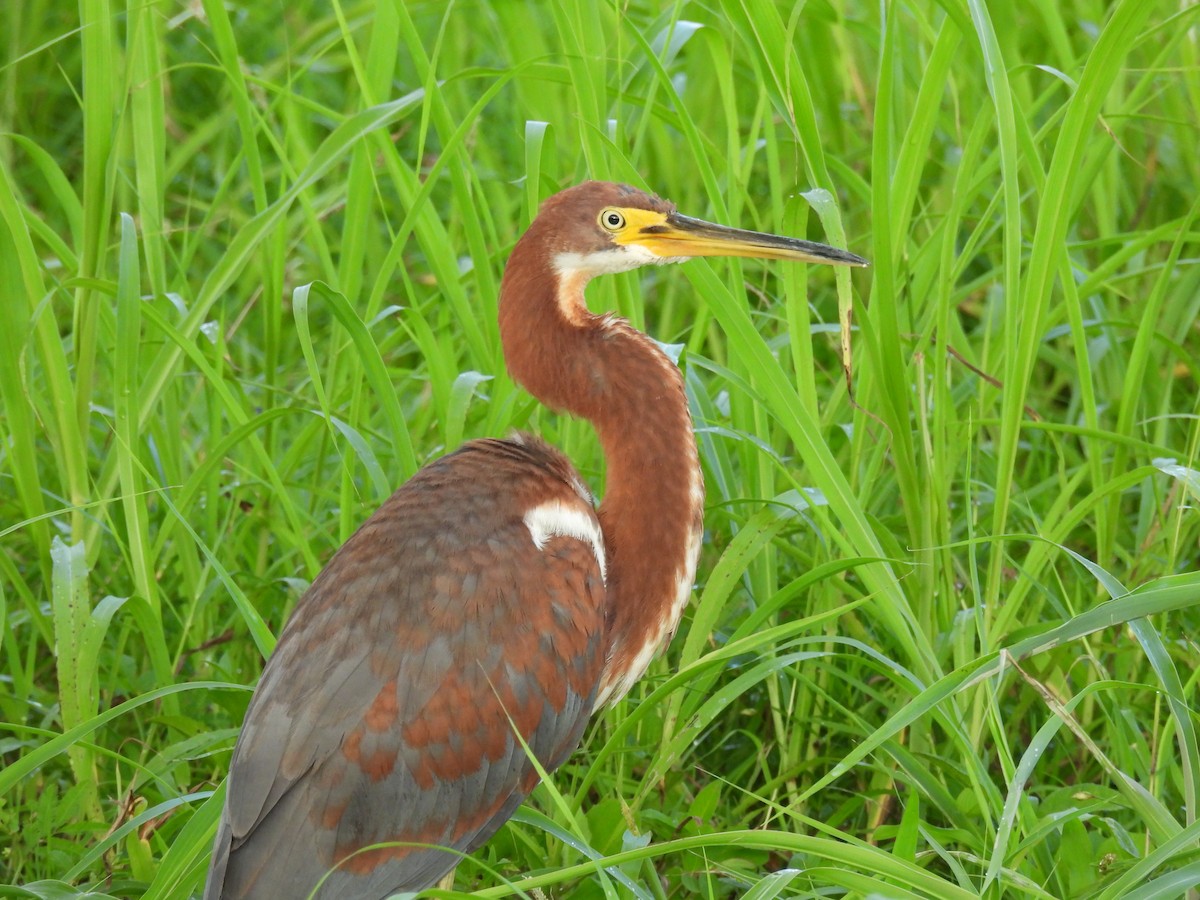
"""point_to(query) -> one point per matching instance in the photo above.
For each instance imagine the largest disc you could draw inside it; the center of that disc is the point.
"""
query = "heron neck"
(652, 512)
(601, 369)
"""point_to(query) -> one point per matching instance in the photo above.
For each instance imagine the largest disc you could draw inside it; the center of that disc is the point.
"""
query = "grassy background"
(943, 640)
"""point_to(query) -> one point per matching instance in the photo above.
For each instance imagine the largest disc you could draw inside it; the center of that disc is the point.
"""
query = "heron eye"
(612, 220)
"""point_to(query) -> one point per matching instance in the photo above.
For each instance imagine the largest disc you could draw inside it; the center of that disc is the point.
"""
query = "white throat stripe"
(606, 262)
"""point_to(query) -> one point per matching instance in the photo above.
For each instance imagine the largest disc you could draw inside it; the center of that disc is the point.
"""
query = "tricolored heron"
(488, 595)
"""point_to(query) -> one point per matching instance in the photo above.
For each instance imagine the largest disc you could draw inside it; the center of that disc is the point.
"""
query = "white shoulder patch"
(557, 519)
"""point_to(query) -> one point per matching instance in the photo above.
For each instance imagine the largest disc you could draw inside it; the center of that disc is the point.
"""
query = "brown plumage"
(487, 594)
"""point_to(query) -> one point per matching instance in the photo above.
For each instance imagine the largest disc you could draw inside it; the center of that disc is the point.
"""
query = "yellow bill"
(674, 235)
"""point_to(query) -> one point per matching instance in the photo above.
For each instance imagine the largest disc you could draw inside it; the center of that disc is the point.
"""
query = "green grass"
(943, 639)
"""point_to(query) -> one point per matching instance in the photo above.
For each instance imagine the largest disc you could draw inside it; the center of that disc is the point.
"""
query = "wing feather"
(383, 717)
